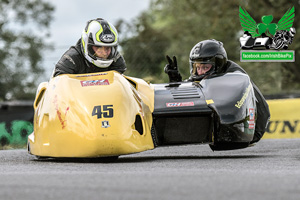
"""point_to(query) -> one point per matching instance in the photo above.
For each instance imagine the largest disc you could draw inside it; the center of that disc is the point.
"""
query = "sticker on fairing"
(180, 104)
(251, 125)
(251, 121)
(94, 82)
(88, 75)
(209, 101)
(105, 124)
(251, 114)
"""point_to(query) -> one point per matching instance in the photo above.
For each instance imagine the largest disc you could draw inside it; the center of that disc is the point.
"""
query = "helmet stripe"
(99, 32)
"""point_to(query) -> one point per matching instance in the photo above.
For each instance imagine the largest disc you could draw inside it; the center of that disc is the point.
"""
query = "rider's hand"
(172, 70)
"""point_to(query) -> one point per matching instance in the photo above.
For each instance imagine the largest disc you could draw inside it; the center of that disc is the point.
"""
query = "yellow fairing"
(92, 115)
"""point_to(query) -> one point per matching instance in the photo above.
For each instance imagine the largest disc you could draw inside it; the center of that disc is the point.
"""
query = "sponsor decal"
(267, 41)
(283, 128)
(251, 114)
(251, 121)
(105, 124)
(94, 82)
(107, 38)
(88, 75)
(210, 101)
(181, 104)
(284, 120)
(245, 95)
(251, 125)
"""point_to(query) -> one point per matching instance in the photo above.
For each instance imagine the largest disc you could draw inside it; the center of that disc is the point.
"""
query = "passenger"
(209, 57)
(95, 51)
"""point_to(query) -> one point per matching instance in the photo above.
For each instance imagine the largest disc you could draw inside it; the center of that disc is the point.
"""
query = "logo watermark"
(267, 56)
(267, 41)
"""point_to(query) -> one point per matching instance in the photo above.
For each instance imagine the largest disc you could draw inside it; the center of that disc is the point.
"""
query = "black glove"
(172, 70)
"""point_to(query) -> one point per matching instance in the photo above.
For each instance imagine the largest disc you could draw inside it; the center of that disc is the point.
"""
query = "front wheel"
(105, 159)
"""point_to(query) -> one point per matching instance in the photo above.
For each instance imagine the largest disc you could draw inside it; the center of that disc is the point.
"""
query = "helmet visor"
(200, 68)
(101, 52)
(202, 65)
(204, 60)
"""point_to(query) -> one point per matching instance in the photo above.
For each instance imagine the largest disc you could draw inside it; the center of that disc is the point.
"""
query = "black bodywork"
(219, 111)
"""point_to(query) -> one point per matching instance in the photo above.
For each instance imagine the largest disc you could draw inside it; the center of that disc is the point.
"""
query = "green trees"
(143, 48)
(23, 29)
(168, 27)
(181, 24)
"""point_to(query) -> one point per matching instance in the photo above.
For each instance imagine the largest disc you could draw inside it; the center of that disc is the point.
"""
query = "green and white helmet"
(99, 32)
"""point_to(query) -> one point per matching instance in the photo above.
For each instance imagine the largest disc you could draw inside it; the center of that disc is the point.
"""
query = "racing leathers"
(74, 62)
(263, 112)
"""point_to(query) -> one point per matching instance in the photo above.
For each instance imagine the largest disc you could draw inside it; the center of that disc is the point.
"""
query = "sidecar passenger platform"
(181, 114)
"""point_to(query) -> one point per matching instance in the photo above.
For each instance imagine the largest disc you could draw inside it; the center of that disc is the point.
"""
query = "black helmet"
(208, 52)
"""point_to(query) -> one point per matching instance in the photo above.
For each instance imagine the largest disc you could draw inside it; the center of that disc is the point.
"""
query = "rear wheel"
(222, 146)
(257, 136)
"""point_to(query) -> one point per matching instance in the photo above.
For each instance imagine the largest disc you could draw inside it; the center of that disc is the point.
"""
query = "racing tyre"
(222, 146)
(106, 159)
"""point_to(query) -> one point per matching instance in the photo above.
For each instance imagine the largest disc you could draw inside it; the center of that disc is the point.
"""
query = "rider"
(95, 51)
(209, 57)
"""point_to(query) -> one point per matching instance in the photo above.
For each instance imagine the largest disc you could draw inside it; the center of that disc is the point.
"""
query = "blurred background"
(35, 33)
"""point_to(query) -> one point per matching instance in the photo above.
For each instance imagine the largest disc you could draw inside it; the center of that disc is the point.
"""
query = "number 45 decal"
(105, 111)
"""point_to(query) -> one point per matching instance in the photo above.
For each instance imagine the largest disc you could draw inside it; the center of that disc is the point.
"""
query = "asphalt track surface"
(269, 170)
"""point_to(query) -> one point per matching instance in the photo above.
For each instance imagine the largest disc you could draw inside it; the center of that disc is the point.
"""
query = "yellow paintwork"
(285, 115)
(64, 124)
